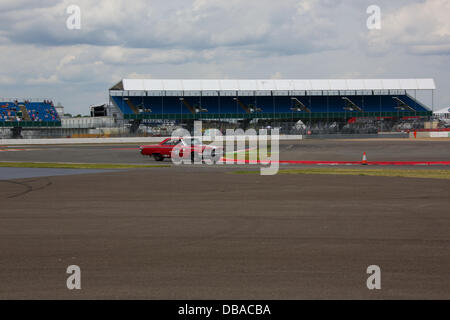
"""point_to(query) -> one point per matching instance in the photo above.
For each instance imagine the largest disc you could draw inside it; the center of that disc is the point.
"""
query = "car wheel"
(216, 156)
(158, 157)
(213, 156)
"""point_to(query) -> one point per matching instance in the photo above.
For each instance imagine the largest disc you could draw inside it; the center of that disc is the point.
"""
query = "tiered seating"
(122, 105)
(37, 111)
(42, 111)
(8, 111)
(384, 103)
(267, 104)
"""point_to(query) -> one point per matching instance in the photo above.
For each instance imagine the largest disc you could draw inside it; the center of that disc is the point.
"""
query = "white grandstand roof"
(273, 85)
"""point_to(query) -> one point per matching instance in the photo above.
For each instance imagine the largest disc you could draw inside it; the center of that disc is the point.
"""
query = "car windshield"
(192, 141)
(171, 142)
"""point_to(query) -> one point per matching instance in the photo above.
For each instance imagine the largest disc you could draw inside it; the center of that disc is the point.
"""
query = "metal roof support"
(299, 105)
(401, 105)
(192, 109)
(350, 105)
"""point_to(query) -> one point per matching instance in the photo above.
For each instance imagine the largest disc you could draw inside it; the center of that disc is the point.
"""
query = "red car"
(182, 146)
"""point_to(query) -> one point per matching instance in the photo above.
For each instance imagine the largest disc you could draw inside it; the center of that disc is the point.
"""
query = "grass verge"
(247, 154)
(77, 165)
(425, 174)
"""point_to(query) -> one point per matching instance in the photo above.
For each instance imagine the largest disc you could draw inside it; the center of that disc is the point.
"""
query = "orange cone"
(364, 159)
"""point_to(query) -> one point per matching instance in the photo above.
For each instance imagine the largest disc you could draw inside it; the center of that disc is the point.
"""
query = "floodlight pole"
(432, 104)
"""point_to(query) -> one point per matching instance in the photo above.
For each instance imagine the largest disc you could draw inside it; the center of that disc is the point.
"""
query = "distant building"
(443, 113)
(60, 110)
(99, 110)
(284, 100)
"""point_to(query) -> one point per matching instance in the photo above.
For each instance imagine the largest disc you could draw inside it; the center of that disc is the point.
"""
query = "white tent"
(273, 85)
(444, 110)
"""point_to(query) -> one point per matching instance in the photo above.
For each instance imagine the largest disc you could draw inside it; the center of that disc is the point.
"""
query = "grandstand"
(293, 100)
(27, 113)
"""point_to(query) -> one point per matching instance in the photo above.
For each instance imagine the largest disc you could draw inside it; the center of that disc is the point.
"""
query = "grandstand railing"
(30, 124)
(21, 100)
(288, 115)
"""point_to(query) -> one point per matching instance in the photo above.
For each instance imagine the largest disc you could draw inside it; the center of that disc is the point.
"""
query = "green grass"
(245, 155)
(77, 165)
(425, 174)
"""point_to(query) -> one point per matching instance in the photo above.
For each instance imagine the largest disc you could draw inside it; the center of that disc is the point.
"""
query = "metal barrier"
(287, 115)
(30, 124)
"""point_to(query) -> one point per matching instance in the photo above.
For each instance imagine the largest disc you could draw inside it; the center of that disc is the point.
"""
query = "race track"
(204, 232)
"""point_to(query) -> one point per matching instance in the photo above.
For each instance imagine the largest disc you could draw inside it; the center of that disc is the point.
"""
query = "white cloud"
(416, 28)
(214, 39)
(6, 80)
(65, 61)
(43, 80)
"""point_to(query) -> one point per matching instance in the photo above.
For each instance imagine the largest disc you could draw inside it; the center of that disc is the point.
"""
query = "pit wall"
(430, 134)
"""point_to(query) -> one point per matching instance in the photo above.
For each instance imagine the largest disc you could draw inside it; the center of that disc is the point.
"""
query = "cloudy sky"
(248, 39)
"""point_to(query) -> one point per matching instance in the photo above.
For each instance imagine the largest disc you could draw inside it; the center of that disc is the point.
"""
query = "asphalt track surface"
(20, 173)
(188, 232)
(315, 150)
